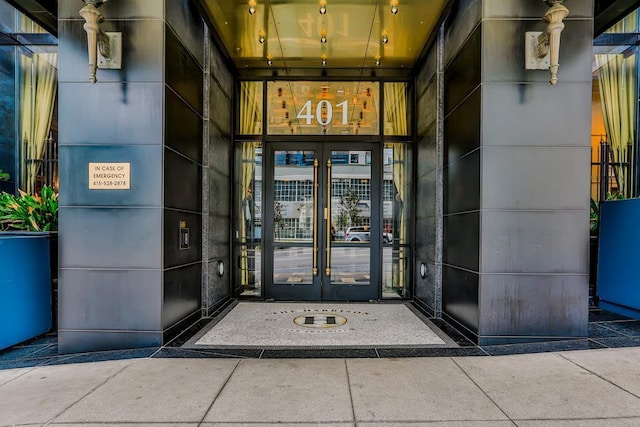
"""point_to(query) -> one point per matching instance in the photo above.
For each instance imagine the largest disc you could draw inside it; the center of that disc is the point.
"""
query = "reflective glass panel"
(250, 268)
(396, 193)
(394, 271)
(323, 108)
(248, 197)
(350, 265)
(293, 265)
(293, 208)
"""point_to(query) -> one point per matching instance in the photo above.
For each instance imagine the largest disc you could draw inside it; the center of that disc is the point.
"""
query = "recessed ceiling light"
(385, 38)
(269, 60)
(394, 7)
(323, 7)
(324, 60)
(323, 37)
(261, 37)
(252, 7)
(377, 61)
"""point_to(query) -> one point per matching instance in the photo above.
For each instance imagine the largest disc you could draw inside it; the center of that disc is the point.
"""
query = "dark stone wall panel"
(182, 293)
(219, 193)
(428, 107)
(219, 151)
(220, 108)
(427, 72)
(219, 287)
(183, 130)
(463, 74)
(219, 236)
(110, 299)
(188, 25)
(182, 72)
(462, 241)
(145, 178)
(461, 22)
(426, 195)
(142, 52)
(462, 184)
(425, 288)
(110, 113)
(460, 296)
(125, 238)
(427, 160)
(426, 238)
(219, 70)
(182, 182)
(173, 255)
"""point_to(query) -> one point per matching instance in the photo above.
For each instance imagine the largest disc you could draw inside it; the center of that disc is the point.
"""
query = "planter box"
(25, 286)
(618, 265)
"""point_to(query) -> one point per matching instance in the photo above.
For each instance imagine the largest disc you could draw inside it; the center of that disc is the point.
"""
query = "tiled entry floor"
(326, 325)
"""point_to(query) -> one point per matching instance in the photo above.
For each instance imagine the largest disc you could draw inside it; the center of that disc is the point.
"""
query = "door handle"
(316, 184)
(327, 216)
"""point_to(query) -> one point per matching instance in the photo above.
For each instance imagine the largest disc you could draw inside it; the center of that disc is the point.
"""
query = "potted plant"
(26, 224)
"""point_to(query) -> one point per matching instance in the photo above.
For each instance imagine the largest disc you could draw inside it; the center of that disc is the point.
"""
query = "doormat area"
(313, 325)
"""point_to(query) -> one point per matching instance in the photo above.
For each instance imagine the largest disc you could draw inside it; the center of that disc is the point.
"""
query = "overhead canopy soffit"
(354, 30)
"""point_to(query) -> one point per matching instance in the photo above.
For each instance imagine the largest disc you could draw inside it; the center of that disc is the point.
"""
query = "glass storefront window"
(615, 110)
(323, 108)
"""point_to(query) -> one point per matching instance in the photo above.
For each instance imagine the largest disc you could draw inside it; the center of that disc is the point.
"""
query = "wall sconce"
(105, 49)
(543, 48)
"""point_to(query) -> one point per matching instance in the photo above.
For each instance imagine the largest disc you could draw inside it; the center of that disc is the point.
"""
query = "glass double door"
(322, 232)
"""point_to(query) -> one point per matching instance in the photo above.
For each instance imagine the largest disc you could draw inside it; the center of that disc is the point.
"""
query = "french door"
(322, 231)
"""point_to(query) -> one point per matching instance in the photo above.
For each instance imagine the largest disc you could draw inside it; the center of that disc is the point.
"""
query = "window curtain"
(250, 108)
(395, 100)
(617, 82)
(246, 210)
(39, 77)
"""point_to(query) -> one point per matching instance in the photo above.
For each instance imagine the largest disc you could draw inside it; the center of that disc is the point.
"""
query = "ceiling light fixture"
(324, 60)
(377, 60)
(323, 7)
(323, 37)
(269, 60)
(394, 7)
(252, 7)
(385, 38)
(261, 37)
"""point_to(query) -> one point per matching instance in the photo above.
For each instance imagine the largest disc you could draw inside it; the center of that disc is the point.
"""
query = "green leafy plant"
(29, 212)
(4, 176)
(594, 218)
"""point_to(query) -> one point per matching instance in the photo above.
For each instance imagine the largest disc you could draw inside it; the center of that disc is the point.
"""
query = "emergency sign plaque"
(109, 176)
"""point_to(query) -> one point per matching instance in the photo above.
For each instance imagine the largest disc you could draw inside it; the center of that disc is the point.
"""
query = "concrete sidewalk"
(592, 388)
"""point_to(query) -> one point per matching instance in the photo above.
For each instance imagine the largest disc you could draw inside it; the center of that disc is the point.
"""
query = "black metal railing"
(611, 173)
(46, 167)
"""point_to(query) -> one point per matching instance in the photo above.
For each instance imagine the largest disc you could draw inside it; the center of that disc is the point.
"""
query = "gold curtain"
(247, 169)
(400, 183)
(250, 107)
(616, 78)
(395, 101)
(38, 92)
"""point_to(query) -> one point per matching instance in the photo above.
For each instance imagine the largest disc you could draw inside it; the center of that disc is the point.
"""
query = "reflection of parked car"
(357, 234)
(362, 234)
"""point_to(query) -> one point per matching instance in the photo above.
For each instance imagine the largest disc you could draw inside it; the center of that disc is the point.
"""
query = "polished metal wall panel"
(464, 73)
(533, 9)
(533, 178)
(135, 107)
(459, 25)
(174, 255)
(460, 291)
(548, 241)
(183, 127)
(122, 238)
(462, 184)
(503, 50)
(530, 306)
(182, 293)
(97, 340)
(117, 300)
(145, 175)
(536, 115)
(462, 128)
(182, 182)
(142, 53)
(129, 9)
(182, 72)
(461, 237)
(187, 23)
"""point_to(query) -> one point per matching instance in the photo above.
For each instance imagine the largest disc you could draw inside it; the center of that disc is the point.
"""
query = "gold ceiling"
(293, 32)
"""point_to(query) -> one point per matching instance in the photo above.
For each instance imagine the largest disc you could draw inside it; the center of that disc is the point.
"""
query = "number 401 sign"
(322, 117)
